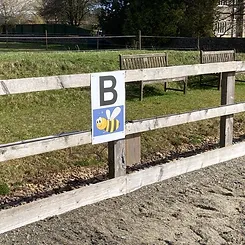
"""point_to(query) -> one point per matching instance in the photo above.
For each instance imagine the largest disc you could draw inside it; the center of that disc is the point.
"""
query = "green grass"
(26, 116)
(34, 64)
(4, 189)
(7, 46)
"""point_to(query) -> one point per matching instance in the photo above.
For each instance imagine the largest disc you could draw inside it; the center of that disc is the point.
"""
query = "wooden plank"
(227, 98)
(142, 61)
(218, 52)
(139, 126)
(133, 149)
(217, 56)
(178, 167)
(59, 204)
(42, 145)
(116, 158)
(183, 71)
(24, 85)
(57, 142)
(134, 56)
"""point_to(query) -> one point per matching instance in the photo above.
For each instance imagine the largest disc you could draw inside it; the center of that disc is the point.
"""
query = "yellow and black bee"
(110, 124)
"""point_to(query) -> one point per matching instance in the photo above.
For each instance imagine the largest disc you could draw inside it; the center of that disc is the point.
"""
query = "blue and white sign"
(108, 106)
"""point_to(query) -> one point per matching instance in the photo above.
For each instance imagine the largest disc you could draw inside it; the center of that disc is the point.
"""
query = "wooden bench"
(142, 61)
(213, 57)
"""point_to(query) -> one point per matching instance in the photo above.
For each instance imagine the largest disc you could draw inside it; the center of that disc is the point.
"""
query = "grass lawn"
(25, 116)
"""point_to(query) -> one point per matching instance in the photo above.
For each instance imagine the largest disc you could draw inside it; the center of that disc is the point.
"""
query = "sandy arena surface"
(202, 207)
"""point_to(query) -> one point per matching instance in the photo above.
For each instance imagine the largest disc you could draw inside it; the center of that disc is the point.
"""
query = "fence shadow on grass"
(133, 91)
(208, 82)
(157, 89)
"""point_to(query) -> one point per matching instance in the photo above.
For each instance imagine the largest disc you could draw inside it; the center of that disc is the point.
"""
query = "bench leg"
(219, 82)
(185, 85)
(200, 78)
(165, 86)
(141, 90)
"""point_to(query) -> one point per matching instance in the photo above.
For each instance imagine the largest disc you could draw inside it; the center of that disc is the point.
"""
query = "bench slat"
(138, 62)
(144, 61)
(214, 57)
(217, 56)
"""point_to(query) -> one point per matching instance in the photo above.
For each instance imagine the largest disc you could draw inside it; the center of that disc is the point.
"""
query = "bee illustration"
(110, 124)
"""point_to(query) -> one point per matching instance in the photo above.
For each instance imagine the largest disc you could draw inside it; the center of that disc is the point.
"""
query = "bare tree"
(15, 12)
(71, 12)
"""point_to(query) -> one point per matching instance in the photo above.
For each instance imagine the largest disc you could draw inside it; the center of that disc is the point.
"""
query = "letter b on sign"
(108, 106)
(109, 91)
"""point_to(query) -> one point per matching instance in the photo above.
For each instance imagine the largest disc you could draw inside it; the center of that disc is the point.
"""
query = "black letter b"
(104, 90)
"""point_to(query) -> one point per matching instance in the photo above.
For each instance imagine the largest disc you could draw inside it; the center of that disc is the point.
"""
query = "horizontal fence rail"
(36, 84)
(65, 140)
(58, 204)
(122, 183)
(139, 126)
(27, 85)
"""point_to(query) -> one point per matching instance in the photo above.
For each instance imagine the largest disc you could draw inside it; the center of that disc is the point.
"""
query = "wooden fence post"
(46, 39)
(98, 41)
(140, 39)
(7, 37)
(133, 149)
(227, 98)
(198, 43)
(116, 158)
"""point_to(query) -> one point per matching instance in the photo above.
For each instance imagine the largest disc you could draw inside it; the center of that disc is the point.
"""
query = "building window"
(222, 27)
(224, 2)
(228, 2)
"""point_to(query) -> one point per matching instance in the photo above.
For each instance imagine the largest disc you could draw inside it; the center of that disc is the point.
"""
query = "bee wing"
(108, 114)
(115, 113)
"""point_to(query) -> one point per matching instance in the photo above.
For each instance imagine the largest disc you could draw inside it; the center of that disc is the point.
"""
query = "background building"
(230, 19)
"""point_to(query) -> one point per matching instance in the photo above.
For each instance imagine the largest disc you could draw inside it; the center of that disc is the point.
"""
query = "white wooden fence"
(120, 182)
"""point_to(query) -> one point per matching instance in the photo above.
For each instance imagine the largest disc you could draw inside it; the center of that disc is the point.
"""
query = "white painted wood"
(182, 166)
(24, 85)
(57, 142)
(218, 52)
(227, 98)
(59, 204)
(42, 145)
(183, 71)
(143, 125)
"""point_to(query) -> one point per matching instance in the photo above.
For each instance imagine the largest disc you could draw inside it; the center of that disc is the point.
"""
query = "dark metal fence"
(75, 42)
